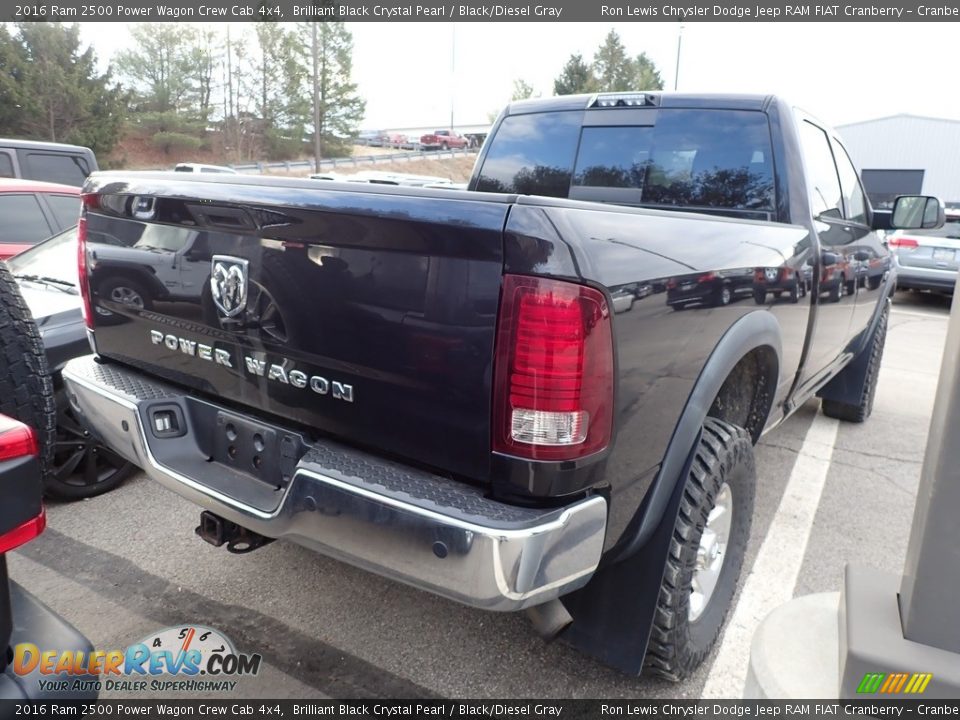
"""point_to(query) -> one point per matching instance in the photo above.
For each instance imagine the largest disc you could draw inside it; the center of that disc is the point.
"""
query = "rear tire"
(683, 633)
(26, 389)
(861, 410)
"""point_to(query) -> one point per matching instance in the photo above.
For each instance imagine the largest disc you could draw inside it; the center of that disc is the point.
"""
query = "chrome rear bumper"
(421, 529)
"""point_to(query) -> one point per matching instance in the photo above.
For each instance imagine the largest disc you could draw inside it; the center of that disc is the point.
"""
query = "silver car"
(928, 259)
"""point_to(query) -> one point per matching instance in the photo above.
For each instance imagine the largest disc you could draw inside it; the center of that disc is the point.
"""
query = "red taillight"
(707, 277)
(553, 379)
(903, 243)
(23, 533)
(82, 269)
(18, 441)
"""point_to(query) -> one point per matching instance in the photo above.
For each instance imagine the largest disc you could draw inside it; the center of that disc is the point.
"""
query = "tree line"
(612, 70)
(263, 89)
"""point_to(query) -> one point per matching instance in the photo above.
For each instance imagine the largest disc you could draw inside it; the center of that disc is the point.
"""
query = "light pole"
(453, 69)
(676, 72)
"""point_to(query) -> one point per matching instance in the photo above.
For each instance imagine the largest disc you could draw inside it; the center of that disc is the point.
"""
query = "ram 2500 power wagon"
(540, 394)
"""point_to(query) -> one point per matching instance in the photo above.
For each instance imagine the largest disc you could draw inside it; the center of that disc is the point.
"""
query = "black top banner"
(469, 11)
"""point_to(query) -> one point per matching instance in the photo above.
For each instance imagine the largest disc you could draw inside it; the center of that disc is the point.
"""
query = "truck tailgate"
(363, 314)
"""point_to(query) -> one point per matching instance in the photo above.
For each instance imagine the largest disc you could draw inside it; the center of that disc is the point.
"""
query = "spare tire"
(26, 389)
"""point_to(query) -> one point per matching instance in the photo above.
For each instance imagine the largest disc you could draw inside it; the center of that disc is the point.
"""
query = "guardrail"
(347, 162)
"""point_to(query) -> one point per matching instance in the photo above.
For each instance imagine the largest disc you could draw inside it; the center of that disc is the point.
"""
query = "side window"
(22, 220)
(6, 165)
(66, 209)
(821, 170)
(64, 169)
(850, 184)
(532, 155)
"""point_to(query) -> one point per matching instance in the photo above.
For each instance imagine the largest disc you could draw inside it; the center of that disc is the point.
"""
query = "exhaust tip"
(549, 619)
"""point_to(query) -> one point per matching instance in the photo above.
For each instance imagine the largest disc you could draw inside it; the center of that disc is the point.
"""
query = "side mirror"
(829, 258)
(861, 256)
(916, 212)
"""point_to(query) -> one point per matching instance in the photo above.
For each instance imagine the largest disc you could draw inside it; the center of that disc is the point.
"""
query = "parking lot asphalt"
(127, 564)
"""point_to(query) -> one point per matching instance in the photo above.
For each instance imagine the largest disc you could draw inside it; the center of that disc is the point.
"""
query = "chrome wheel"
(126, 296)
(711, 553)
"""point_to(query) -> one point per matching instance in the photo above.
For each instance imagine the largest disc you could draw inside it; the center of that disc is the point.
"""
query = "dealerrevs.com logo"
(189, 658)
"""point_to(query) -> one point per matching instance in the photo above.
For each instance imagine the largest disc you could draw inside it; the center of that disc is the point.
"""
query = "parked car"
(46, 162)
(46, 273)
(464, 396)
(791, 283)
(201, 168)
(443, 140)
(396, 140)
(713, 288)
(26, 393)
(31, 211)
(928, 259)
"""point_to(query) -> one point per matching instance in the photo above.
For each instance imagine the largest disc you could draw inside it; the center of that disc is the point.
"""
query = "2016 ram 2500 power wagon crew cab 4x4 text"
(538, 394)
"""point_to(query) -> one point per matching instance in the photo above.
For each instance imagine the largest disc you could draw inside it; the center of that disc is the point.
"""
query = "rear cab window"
(715, 160)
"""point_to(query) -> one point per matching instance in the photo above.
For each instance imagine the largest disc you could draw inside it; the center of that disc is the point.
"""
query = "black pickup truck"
(540, 394)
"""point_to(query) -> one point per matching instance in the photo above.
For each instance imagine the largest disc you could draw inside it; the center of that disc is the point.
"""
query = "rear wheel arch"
(619, 614)
(750, 350)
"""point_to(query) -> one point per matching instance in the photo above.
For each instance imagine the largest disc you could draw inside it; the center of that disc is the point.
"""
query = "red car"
(31, 211)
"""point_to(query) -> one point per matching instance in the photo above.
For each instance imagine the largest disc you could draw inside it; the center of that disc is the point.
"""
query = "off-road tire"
(678, 645)
(26, 389)
(861, 410)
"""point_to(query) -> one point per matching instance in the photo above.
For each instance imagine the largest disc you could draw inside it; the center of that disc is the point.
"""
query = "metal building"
(906, 154)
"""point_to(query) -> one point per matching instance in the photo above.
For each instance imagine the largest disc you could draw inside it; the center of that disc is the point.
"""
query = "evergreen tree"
(613, 70)
(646, 75)
(337, 108)
(576, 77)
(50, 89)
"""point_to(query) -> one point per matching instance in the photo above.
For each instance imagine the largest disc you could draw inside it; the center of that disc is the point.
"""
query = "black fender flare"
(754, 330)
(613, 613)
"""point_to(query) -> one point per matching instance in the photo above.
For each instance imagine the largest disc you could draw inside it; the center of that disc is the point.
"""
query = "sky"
(414, 74)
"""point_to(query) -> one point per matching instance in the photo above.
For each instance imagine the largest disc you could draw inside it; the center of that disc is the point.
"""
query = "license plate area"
(253, 449)
(943, 254)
